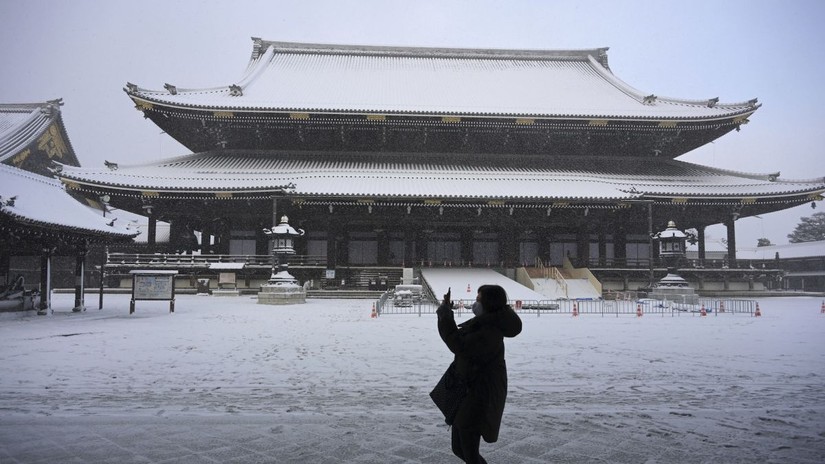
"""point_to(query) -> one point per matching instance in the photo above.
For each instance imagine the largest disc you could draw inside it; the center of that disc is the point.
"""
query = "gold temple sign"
(496, 202)
(376, 117)
(299, 115)
(223, 114)
(598, 122)
(748, 200)
(667, 123)
(525, 121)
(365, 201)
(223, 195)
(150, 193)
(451, 119)
(141, 105)
(20, 157)
(432, 202)
(52, 142)
(679, 200)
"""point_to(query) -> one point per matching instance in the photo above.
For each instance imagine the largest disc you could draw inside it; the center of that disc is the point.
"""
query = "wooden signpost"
(153, 285)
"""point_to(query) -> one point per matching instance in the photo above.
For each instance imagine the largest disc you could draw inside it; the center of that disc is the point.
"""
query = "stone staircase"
(340, 294)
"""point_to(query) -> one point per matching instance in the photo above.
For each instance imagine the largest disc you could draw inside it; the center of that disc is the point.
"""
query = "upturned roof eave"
(152, 99)
(26, 221)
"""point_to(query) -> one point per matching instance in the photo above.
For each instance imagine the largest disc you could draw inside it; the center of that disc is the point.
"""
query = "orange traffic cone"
(575, 310)
(758, 312)
(703, 311)
(638, 310)
(374, 313)
(721, 306)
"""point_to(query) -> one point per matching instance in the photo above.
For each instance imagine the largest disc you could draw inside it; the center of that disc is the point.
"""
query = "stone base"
(676, 295)
(674, 288)
(280, 294)
(226, 292)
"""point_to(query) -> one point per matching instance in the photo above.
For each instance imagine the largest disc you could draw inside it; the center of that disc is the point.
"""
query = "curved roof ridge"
(22, 132)
(260, 46)
(34, 177)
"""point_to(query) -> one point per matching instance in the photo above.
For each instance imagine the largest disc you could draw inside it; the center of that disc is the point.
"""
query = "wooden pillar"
(383, 246)
(409, 248)
(332, 249)
(153, 231)
(602, 248)
(544, 239)
(620, 247)
(508, 244)
(731, 242)
(206, 237)
(582, 246)
(5, 268)
(343, 248)
(466, 246)
(45, 283)
(701, 237)
(79, 284)
(421, 247)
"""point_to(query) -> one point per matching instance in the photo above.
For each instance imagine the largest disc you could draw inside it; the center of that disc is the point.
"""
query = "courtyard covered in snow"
(228, 380)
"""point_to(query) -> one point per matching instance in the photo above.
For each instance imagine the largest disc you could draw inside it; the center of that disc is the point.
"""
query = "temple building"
(401, 157)
(40, 222)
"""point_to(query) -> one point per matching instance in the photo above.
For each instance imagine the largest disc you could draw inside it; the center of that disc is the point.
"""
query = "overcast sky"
(85, 51)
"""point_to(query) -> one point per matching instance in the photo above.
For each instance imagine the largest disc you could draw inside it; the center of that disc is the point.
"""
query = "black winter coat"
(478, 345)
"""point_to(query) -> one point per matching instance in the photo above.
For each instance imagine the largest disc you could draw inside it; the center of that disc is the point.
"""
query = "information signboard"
(153, 285)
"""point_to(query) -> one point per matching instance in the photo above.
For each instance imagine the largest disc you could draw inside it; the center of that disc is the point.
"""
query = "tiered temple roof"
(360, 79)
(366, 98)
(426, 176)
(32, 135)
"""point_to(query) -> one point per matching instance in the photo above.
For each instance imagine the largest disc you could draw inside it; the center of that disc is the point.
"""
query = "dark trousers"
(465, 443)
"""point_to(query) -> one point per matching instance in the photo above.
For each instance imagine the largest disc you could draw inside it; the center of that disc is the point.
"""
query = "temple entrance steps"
(460, 280)
(560, 283)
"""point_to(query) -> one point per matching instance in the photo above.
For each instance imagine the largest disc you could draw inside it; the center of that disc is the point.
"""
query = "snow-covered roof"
(34, 200)
(32, 134)
(300, 77)
(789, 250)
(398, 175)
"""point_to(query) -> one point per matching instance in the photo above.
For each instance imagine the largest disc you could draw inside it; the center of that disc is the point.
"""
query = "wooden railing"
(203, 261)
(552, 272)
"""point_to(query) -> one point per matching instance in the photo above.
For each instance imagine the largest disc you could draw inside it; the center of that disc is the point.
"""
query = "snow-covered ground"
(728, 388)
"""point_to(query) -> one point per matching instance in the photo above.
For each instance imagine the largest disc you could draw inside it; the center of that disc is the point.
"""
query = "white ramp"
(459, 280)
(577, 289)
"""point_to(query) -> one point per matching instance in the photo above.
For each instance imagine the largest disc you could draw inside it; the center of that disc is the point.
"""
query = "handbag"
(448, 393)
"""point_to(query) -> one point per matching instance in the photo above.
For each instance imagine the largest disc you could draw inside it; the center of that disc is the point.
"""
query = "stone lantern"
(282, 287)
(672, 244)
(672, 250)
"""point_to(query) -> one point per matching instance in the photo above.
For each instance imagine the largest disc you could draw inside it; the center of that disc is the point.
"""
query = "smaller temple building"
(39, 220)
